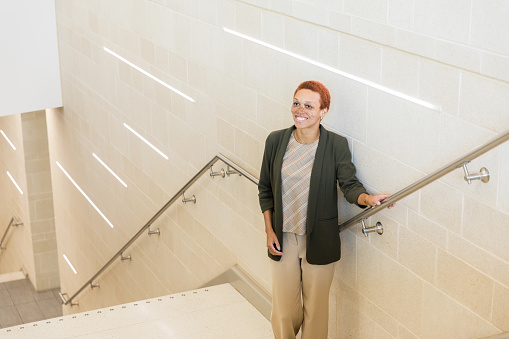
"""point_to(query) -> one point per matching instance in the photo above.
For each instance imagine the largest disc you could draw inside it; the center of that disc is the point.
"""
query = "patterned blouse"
(296, 174)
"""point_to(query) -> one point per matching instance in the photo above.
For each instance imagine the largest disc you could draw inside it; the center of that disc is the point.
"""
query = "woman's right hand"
(273, 243)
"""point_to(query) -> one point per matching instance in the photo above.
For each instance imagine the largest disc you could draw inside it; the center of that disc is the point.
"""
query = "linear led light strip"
(70, 265)
(110, 170)
(339, 72)
(8, 140)
(146, 141)
(14, 182)
(148, 74)
(86, 196)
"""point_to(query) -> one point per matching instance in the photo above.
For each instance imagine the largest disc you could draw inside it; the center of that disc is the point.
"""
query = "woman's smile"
(306, 109)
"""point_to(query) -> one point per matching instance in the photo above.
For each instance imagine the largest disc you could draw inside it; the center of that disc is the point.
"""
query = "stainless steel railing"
(460, 162)
(359, 218)
(14, 222)
(231, 169)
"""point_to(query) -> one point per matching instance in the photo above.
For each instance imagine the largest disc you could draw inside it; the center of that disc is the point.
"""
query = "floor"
(21, 304)
(212, 312)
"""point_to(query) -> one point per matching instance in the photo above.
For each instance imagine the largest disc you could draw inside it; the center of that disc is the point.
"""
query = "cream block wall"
(40, 200)
(31, 246)
(19, 252)
(438, 270)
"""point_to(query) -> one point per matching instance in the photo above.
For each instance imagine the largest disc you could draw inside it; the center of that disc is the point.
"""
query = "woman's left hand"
(375, 200)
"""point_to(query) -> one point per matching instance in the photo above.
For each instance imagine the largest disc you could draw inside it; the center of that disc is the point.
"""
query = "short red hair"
(319, 88)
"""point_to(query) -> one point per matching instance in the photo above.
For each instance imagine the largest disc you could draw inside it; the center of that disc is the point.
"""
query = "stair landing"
(213, 312)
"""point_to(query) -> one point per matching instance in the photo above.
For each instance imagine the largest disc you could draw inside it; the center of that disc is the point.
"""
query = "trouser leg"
(316, 282)
(287, 313)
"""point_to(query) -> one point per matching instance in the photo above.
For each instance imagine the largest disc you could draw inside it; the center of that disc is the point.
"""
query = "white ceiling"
(29, 64)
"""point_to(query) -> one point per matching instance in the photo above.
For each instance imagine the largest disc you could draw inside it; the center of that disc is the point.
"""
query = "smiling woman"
(300, 171)
(310, 104)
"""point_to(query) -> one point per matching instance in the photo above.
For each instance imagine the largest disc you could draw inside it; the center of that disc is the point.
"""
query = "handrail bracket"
(231, 171)
(158, 232)
(65, 302)
(483, 175)
(215, 174)
(186, 200)
(378, 228)
(15, 222)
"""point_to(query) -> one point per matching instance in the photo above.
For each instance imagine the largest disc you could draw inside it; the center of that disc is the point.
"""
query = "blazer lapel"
(314, 184)
(278, 164)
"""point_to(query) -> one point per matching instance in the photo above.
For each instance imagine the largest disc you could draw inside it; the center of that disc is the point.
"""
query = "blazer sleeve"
(345, 171)
(265, 192)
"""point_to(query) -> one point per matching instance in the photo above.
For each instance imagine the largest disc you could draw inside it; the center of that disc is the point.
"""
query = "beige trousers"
(300, 292)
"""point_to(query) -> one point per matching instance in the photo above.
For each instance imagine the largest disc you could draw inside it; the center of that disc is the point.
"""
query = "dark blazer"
(332, 165)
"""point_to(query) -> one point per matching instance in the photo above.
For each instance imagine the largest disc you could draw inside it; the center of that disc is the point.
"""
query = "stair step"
(6, 277)
(499, 336)
(213, 312)
(246, 286)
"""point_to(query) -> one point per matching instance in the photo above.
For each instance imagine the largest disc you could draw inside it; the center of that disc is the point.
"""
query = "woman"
(298, 197)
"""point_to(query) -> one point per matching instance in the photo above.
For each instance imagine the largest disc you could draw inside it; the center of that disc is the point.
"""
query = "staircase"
(7, 277)
(211, 312)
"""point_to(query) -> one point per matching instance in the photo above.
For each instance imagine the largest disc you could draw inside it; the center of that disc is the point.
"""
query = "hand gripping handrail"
(236, 169)
(13, 222)
(458, 163)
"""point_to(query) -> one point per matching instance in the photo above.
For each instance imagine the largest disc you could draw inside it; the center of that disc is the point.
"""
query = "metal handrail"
(119, 254)
(460, 162)
(13, 222)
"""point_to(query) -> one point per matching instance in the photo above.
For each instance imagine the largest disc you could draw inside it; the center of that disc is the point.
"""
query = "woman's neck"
(306, 136)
